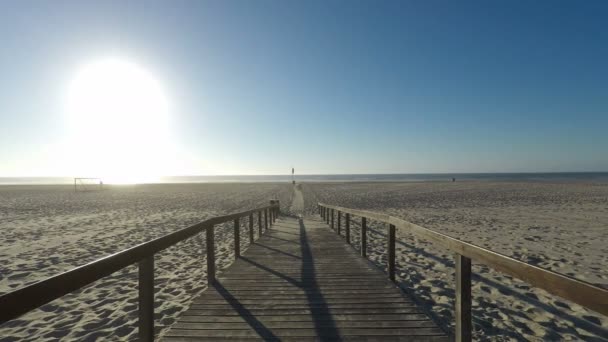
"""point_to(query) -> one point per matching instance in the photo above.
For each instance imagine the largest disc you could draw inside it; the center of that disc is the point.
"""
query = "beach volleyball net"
(88, 184)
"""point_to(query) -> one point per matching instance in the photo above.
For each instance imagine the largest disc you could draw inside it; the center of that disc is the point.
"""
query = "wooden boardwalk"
(300, 281)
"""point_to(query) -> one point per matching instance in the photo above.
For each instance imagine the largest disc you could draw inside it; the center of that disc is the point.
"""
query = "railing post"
(332, 218)
(261, 230)
(327, 216)
(463, 299)
(251, 238)
(391, 252)
(266, 218)
(347, 231)
(237, 238)
(146, 299)
(210, 254)
(339, 221)
(364, 237)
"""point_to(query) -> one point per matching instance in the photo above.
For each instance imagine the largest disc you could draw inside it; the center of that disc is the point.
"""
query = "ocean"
(600, 177)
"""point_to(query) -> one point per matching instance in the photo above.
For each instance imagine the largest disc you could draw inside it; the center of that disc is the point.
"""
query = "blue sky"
(329, 86)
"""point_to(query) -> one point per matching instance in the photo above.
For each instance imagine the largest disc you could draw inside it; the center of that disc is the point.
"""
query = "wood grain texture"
(301, 281)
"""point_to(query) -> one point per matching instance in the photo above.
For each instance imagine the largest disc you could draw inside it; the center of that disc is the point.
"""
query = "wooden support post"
(146, 299)
(251, 238)
(391, 252)
(261, 230)
(339, 221)
(333, 211)
(266, 219)
(347, 227)
(464, 324)
(210, 255)
(364, 237)
(327, 216)
(237, 238)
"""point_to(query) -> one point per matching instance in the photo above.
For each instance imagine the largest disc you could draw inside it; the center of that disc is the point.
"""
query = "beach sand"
(47, 230)
(563, 227)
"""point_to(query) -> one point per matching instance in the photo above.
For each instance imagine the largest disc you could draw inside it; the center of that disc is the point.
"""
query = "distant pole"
(293, 177)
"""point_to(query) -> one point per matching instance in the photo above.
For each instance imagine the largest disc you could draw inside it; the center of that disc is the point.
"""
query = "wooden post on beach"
(364, 237)
(327, 216)
(333, 211)
(251, 239)
(339, 221)
(260, 224)
(146, 299)
(210, 255)
(237, 238)
(347, 231)
(266, 219)
(463, 298)
(391, 252)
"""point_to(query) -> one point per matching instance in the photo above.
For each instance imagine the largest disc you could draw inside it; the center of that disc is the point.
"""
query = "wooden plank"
(363, 237)
(260, 224)
(464, 325)
(391, 253)
(210, 238)
(347, 231)
(309, 318)
(309, 324)
(307, 311)
(146, 299)
(237, 238)
(251, 237)
(290, 332)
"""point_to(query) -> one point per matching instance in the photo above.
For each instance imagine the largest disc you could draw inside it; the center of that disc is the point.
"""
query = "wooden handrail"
(577, 291)
(25, 299)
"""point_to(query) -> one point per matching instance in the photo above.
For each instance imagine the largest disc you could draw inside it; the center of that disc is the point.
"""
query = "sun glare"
(118, 117)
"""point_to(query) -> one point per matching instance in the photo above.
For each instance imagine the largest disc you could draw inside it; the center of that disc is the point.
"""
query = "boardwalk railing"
(577, 291)
(23, 300)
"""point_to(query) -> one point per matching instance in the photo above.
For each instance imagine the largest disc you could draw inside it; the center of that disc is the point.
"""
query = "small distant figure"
(453, 179)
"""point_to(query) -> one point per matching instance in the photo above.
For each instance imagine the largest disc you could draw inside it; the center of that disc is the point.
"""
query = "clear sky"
(255, 87)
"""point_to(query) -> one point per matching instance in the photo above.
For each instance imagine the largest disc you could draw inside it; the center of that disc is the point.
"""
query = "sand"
(47, 230)
(558, 226)
(561, 227)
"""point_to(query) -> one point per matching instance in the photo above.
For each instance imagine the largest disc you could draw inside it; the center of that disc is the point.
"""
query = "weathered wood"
(146, 299)
(391, 252)
(333, 219)
(347, 228)
(260, 229)
(299, 281)
(266, 219)
(251, 234)
(583, 293)
(237, 238)
(464, 325)
(210, 237)
(363, 237)
(339, 222)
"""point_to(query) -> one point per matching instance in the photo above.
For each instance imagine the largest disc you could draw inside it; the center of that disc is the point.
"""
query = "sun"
(118, 119)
